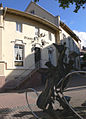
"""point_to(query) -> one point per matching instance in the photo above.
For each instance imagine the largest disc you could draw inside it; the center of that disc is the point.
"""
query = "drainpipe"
(5, 10)
(1, 26)
(58, 33)
(57, 20)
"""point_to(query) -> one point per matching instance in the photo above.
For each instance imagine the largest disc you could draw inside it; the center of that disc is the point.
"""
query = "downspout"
(58, 34)
(5, 10)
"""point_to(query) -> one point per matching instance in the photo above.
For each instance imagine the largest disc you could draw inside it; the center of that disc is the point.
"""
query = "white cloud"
(82, 36)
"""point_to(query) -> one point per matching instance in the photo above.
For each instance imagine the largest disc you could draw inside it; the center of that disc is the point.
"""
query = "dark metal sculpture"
(54, 80)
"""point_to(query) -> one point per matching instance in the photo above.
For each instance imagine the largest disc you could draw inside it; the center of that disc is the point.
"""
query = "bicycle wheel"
(31, 98)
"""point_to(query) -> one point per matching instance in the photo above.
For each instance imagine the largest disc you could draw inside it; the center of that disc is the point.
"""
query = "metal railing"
(29, 72)
(63, 90)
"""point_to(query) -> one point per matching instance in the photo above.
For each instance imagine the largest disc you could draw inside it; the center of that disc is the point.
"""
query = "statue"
(55, 75)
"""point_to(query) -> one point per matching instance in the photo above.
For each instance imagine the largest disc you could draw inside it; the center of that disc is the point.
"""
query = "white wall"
(71, 45)
(10, 35)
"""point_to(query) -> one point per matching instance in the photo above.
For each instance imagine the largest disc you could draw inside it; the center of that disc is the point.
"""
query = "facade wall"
(2, 65)
(1, 31)
(26, 37)
(39, 11)
(2, 68)
(9, 36)
(72, 46)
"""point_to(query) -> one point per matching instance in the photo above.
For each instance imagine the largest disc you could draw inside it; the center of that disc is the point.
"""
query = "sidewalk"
(14, 106)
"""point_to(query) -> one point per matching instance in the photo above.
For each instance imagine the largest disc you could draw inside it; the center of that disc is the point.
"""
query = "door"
(50, 54)
(37, 57)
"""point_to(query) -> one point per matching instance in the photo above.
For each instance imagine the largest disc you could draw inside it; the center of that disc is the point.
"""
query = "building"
(66, 35)
(83, 58)
(25, 42)
(72, 42)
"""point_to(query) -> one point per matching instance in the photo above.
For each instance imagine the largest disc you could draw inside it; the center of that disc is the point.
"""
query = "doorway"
(37, 56)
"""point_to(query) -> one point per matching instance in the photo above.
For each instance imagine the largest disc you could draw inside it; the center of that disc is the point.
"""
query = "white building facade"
(66, 35)
(25, 43)
(26, 40)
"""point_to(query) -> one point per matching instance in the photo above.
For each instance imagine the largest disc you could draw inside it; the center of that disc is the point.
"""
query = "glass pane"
(36, 31)
(16, 46)
(50, 36)
(20, 46)
(18, 50)
(16, 26)
(20, 28)
(20, 54)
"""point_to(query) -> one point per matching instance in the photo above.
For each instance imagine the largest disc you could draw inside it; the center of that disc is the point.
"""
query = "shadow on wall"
(30, 75)
(33, 73)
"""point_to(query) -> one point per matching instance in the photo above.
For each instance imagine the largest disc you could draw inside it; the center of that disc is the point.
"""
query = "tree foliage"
(66, 4)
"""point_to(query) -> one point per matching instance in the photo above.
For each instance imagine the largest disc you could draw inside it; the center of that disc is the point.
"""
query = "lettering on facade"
(28, 38)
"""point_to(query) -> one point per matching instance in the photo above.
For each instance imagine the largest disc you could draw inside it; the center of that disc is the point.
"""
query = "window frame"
(19, 27)
(22, 60)
(64, 36)
(50, 36)
(32, 12)
(37, 31)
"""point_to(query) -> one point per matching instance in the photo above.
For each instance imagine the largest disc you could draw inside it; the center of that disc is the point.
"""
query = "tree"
(66, 4)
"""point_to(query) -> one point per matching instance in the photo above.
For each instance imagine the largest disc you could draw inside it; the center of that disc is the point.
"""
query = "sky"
(75, 21)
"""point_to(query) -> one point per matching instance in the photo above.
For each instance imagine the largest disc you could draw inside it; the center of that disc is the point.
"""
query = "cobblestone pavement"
(14, 106)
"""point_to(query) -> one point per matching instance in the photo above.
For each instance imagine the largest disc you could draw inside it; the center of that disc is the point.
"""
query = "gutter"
(69, 31)
(30, 16)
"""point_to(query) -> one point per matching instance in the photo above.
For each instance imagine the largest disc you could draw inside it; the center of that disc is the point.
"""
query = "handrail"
(29, 69)
(26, 76)
(32, 71)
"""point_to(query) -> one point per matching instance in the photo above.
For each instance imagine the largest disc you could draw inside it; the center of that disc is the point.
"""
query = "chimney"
(58, 21)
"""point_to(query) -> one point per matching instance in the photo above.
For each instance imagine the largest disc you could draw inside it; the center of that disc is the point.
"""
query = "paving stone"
(14, 106)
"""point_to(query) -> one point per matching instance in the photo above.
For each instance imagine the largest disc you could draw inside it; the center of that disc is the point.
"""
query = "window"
(50, 36)
(50, 54)
(19, 27)
(37, 57)
(64, 36)
(32, 12)
(37, 31)
(18, 54)
(64, 43)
